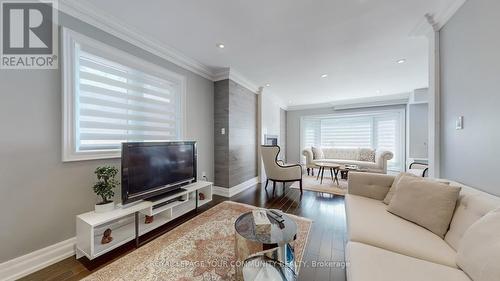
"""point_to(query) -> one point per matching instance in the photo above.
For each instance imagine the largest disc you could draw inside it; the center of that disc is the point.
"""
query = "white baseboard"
(34, 261)
(230, 192)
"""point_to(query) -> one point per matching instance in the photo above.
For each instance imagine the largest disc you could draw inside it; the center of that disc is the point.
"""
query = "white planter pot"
(102, 208)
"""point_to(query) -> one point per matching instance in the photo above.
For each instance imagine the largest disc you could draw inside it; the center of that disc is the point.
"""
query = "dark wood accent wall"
(236, 151)
(242, 134)
(221, 142)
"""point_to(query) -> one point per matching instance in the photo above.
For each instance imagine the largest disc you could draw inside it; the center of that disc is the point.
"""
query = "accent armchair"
(277, 171)
(418, 169)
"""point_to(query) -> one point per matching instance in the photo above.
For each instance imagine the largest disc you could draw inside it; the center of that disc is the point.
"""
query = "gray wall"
(236, 151)
(470, 68)
(40, 195)
(293, 149)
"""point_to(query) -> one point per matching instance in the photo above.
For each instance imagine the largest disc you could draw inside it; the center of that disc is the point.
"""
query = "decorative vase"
(104, 207)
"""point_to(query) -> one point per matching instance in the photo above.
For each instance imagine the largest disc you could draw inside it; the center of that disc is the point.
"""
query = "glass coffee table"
(334, 171)
(274, 245)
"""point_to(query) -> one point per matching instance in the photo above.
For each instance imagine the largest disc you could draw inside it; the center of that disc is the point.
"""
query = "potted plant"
(104, 186)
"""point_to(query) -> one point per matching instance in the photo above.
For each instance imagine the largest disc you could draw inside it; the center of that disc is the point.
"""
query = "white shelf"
(94, 219)
(158, 221)
(90, 226)
(167, 207)
(203, 202)
(121, 235)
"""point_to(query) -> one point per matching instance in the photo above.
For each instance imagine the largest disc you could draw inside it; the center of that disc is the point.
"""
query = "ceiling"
(291, 43)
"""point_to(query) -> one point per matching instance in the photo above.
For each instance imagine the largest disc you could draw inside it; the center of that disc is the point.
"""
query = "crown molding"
(91, 15)
(386, 100)
(232, 74)
(434, 22)
(443, 16)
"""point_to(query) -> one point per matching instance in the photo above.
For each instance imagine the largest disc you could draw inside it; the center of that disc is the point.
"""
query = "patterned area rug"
(328, 186)
(199, 249)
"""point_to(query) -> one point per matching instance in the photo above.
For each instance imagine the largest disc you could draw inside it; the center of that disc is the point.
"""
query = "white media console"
(128, 223)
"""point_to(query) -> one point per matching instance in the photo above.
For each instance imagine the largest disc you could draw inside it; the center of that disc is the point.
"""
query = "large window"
(378, 130)
(111, 97)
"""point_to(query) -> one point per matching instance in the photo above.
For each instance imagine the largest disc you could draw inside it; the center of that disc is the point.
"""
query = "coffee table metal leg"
(337, 176)
(331, 174)
(319, 173)
(322, 174)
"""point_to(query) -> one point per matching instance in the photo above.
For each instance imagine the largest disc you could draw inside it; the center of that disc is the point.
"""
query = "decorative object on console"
(201, 196)
(149, 219)
(104, 186)
(106, 236)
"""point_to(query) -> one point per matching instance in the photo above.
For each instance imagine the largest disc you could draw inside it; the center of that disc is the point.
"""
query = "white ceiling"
(291, 43)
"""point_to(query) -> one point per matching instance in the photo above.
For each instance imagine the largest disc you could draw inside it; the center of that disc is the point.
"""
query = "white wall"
(418, 130)
(470, 85)
(270, 121)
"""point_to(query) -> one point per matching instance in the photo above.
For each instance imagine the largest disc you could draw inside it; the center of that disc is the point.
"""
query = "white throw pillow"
(317, 153)
(479, 251)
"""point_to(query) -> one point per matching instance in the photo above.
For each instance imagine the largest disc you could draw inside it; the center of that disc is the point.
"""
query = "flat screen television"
(150, 169)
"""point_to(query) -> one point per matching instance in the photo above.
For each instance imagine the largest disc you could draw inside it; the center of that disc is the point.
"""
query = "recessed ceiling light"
(401, 61)
(290, 101)
(324, 75)
(268, 85)
(220, 45)
(377, 91)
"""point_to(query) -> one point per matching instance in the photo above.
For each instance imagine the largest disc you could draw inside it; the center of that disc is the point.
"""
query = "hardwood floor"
(324, 254)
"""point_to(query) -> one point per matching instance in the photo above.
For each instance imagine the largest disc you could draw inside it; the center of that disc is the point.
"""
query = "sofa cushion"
(317, 153)
(394, 186)
(429, 204)
(479, 251)
(366, 154)
(369, 222)
(366, 262)
(360, 164)
(341, 153)
(472, 204)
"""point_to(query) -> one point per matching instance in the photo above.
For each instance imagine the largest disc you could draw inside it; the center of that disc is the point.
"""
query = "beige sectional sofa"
(351, 156)
(385, 247)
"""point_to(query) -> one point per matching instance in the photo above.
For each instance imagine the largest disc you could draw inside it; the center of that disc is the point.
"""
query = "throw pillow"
(479, 251)
(429, 204)
(317, 153)
(366, 154)
(394, 186)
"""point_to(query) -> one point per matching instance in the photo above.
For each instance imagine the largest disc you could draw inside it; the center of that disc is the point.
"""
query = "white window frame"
(70, 42)
(402, 124)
